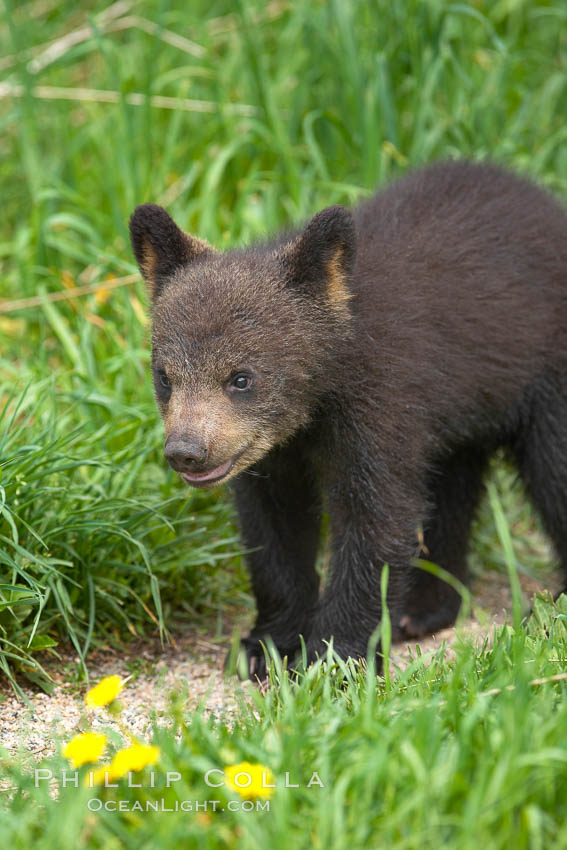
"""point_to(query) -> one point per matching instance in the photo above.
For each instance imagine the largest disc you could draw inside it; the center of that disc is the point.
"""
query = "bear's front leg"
(279, 506)
(374, 514)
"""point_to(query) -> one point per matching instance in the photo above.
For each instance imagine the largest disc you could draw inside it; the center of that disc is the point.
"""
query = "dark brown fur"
(392, 350)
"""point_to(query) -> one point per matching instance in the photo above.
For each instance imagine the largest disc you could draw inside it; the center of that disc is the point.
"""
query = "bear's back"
(461, 286)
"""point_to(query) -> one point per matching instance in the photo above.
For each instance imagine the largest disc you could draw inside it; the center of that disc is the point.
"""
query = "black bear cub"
(367, 364)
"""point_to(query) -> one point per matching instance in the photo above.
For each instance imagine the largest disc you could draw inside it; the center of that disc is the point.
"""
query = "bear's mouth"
(208, 479)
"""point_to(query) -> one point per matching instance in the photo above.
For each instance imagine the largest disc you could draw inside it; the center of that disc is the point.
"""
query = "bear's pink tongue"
(212, 475)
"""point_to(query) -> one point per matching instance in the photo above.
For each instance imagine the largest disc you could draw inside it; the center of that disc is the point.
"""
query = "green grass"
(279, 109)
(98, 537)
(455, 754)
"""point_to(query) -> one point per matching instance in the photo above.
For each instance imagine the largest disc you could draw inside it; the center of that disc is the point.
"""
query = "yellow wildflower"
(135, 757)
(132, 758)
(84, 748)
(102, 295)
(105, 692)
(250, 780)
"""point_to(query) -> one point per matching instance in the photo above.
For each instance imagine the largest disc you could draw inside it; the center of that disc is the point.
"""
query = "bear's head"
(244, 343)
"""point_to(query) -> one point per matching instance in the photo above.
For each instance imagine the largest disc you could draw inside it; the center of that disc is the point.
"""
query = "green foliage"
(456, 753)
(96, 531)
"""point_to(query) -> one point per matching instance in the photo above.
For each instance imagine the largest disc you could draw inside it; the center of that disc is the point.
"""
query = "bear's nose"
(184, 454)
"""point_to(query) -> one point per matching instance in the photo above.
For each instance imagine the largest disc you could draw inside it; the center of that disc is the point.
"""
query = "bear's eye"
(162, 385)
(241, 381)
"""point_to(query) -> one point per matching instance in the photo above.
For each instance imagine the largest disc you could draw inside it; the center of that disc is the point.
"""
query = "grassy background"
(463, 754)
(241, 117)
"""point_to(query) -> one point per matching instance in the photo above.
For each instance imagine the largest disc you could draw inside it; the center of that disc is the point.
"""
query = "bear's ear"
(320, 260)
(160, 246)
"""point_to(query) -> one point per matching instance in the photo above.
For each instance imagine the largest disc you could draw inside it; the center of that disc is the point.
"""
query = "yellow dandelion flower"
(84, 748)
(132, 758)
(102, 295)
(105, 692)
(250, 780)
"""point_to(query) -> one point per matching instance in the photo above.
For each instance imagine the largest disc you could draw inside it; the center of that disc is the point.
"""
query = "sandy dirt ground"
(193, 667)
